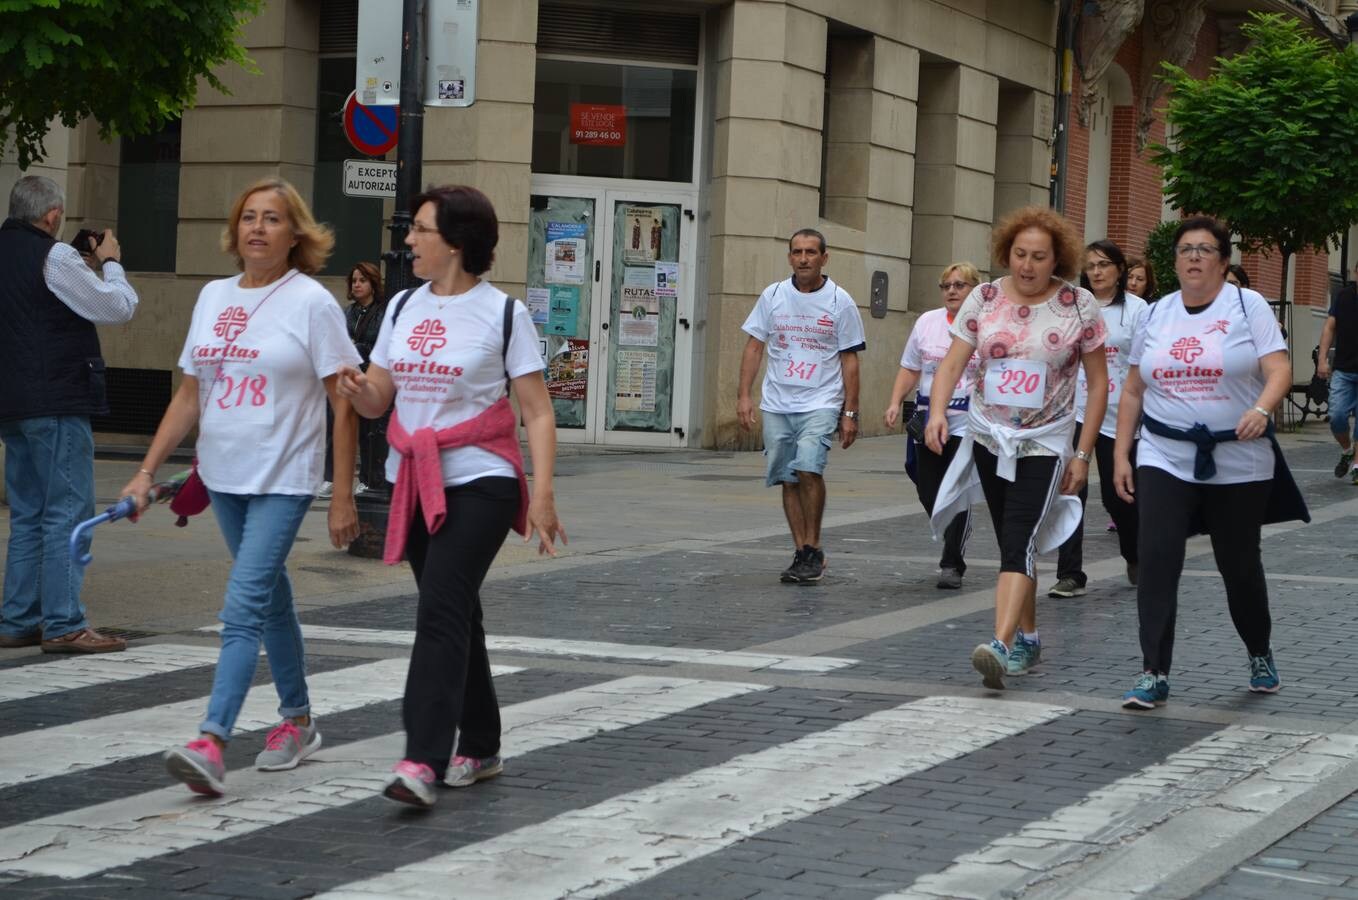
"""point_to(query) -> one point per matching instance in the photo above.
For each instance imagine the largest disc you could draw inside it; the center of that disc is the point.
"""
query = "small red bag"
(191, 499)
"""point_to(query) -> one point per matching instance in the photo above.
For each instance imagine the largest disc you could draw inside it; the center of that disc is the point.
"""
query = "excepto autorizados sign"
(369, 178)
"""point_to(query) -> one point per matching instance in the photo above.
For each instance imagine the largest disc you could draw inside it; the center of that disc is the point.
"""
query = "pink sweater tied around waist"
(420, 476)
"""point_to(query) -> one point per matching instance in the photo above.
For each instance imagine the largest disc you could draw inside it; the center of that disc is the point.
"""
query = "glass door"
(562, 272)
(643, 293)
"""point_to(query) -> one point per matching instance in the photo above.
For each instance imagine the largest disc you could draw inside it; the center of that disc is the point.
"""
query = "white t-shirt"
(1121, 320)
(1204, 367)
(260, 365)
(928, 343)
(804, 334)
(445, 358)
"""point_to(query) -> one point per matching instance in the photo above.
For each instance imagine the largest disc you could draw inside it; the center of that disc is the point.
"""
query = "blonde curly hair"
(314, 240)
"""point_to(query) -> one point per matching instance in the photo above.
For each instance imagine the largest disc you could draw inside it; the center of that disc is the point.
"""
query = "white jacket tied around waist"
(962, 484)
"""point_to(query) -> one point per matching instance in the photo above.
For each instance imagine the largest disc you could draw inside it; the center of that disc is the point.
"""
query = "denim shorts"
(1343, 401)
(797, 442)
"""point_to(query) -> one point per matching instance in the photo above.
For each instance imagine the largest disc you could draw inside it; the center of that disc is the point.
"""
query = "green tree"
(1160, 252)
(1269, 141)
(131, 65)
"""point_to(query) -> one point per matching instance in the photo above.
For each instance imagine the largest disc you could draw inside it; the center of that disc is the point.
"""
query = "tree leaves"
(131, 65)
(1269, 141)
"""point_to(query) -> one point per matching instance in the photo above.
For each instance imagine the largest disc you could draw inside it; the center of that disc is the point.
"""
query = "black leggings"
(1070, 560)
(449, 686)
(929, 470)
(1016, 507)
(1233, 515)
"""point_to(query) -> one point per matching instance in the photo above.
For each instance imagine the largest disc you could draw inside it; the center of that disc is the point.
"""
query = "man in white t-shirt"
(814, 333)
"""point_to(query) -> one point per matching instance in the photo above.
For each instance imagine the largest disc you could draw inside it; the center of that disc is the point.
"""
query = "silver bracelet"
(1261, 411)
(150, 475)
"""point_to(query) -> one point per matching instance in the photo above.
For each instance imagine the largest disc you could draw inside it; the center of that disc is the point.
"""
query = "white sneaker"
(327, 488)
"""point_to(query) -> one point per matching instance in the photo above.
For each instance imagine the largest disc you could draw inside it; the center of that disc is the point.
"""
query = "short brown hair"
(314, 240)
(466, 220)
(1066, 244)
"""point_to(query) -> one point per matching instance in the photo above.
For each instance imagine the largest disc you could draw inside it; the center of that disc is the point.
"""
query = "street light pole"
(373, 505)
(1351, 23)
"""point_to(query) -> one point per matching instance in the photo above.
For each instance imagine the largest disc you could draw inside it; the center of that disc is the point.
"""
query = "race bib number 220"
(1015, 382)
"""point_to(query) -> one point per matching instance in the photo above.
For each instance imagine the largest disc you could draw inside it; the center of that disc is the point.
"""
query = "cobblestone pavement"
(679, 724)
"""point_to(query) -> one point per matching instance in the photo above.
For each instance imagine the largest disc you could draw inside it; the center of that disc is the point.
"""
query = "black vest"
(49, 356)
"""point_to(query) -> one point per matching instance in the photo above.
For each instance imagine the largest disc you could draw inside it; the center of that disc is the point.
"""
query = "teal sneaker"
(1023, 656)
(1264, 675)
(992, 661)
(1151, 690)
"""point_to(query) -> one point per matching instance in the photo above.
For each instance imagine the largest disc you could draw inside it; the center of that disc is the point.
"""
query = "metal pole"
(1065, 75)
(373, 505)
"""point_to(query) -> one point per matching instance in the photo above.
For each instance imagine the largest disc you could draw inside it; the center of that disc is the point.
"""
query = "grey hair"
(33, 197)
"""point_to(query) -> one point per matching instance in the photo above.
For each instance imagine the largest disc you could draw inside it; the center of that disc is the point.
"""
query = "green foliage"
(132, 65)
(1160, 252)
(1269, 141)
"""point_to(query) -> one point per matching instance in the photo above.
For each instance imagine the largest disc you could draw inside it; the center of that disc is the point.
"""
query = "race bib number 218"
(245, 398)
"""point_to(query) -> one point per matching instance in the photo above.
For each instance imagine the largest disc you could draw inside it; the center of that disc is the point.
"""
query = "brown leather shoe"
(84, 641)
(32, 639)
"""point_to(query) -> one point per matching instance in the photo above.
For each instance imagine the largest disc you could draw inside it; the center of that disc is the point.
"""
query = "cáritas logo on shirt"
(208, 354)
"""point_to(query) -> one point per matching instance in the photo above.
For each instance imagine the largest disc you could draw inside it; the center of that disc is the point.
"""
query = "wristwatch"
(1082, 456)
(849, 414)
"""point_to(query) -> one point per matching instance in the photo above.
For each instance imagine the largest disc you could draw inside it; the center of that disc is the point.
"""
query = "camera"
(82, 239)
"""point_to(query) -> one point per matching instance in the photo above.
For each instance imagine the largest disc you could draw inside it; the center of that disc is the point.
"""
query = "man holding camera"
(50, 301)
(813, 333)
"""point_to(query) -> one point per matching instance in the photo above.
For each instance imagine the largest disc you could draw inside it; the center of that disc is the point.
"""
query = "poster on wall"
(564, 261)
(639, 310)
(634, 381)
(538, 299)
(667, 279)
(641, 234)
(599, 124)
(568, 370)
(563, 309)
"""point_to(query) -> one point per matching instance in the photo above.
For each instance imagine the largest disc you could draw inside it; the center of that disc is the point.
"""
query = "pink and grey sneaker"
(465, 771)
(287, 745)
(199, 765)
(410, 782)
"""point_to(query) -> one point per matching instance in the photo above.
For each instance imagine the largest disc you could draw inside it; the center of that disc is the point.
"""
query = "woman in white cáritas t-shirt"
(1207, 365)
(259, 361)
(1105, 276)
(447, 354)
(925, 348)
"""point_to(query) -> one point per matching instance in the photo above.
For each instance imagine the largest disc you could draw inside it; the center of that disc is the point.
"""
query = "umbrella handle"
(123, 508)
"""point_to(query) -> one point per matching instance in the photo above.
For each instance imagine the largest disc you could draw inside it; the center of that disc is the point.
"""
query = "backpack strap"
(400, 305)
(508, 333)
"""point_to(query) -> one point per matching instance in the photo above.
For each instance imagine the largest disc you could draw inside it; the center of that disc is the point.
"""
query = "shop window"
(613, 121)
(148, 200)
(357, 221)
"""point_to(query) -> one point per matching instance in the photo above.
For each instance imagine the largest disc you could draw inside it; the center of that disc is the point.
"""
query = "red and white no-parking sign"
(371, 129)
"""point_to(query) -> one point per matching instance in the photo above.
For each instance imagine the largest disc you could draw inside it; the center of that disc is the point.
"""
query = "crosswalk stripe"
(1111, 815)
(90, 840)
(23, 682)
(600, 649)
(96, 742)
(625, 840)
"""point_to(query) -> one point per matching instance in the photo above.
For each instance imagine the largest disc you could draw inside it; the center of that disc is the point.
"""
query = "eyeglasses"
(1099, 265)
(960, 285)
(1197, 250)
(421, 229)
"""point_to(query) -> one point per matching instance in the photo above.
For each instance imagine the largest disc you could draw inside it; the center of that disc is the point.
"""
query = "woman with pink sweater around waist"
(448, 353)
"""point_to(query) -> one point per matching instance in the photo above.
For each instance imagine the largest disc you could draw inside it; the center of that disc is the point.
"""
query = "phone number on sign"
(581, 134)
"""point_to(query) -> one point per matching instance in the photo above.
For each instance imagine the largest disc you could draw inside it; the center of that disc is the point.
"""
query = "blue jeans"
(259, 531)
(49, 478)
(797, 442)
(1343, 402)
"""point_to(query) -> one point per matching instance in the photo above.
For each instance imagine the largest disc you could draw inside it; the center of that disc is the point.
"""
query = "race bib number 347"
(1015, 382)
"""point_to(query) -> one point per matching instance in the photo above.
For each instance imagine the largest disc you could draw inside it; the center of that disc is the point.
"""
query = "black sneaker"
(1341, 468)
(789, 575)
(813, 565)
(949, 579)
